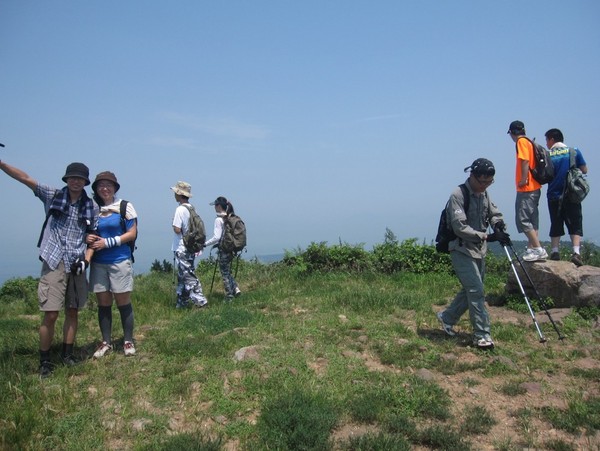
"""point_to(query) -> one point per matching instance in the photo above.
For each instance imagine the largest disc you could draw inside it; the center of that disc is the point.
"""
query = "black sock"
(126, 312)
(67, 349)
(105, 322)
(44, 356)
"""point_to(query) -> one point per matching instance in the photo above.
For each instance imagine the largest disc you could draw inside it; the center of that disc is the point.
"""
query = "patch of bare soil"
(535, 389)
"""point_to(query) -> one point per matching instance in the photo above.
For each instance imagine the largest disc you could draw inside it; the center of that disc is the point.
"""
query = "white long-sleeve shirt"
(217, 231)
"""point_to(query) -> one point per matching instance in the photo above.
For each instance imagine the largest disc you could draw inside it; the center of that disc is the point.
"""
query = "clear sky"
(319, 120)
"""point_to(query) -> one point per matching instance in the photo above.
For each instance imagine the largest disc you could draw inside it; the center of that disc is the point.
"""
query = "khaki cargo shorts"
(58, 289)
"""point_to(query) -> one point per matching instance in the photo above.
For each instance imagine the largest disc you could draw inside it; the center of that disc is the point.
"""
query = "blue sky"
(320, 121)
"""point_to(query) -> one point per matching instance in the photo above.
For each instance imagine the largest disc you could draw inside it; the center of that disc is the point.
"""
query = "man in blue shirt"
(562, 211)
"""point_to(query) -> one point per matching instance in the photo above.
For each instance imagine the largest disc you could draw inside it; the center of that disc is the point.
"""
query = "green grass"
(335, 350)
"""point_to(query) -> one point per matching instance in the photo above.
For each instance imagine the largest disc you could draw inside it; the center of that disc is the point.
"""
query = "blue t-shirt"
(110, 226)
(562, 163)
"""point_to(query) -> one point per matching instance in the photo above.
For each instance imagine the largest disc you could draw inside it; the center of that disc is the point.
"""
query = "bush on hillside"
(318, 257)
(24, 289)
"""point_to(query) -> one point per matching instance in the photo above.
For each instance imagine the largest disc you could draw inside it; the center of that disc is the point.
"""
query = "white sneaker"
(102, 349)
(483, 343)
(528, 251)
(535, 255)
(129, 349)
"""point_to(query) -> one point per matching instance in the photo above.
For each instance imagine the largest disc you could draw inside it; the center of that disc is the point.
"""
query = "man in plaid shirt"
(70, 215)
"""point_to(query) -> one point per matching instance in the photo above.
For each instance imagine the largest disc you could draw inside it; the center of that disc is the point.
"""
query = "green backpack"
(576, 186)
(234, 235)
(195, 237)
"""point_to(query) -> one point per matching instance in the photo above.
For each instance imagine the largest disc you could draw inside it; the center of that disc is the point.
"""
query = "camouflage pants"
(229, 284)
(188, 285)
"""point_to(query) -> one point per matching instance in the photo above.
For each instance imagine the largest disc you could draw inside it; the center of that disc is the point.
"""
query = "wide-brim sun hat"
(77, 170)
(106, 175)
(183, 189)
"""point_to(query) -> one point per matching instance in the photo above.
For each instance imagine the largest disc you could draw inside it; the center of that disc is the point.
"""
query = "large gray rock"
(565, 283)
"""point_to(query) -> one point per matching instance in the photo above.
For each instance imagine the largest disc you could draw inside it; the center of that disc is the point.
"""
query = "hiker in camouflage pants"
(188, 285)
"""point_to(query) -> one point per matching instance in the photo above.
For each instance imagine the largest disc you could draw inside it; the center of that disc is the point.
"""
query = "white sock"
(576, 249)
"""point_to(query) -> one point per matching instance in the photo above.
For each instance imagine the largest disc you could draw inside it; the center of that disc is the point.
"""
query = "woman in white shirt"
(223, 209)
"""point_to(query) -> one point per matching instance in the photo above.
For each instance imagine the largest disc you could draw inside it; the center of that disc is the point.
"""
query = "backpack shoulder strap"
(123, 212)
(466, 196)
(39, 243)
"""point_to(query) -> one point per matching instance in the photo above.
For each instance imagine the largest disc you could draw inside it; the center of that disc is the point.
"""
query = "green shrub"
(318, 257)
(391, 257)
(19, 290)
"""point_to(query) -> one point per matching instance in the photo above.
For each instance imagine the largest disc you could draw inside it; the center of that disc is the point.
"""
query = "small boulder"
(567, 284)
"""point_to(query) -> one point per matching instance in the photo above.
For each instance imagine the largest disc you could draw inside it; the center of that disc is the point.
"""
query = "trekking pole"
(237, 263)
(215, 271)
(174, 278)
(542, 338)
(539, 296)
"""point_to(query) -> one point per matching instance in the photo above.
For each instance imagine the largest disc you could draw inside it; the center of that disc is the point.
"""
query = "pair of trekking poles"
(237, 264)
(540, 298)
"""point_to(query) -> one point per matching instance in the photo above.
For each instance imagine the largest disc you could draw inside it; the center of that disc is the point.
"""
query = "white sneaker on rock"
(535, 255)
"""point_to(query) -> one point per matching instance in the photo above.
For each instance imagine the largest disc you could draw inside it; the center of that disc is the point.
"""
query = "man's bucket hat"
(106, 175)
(183, 189)
(77, 170)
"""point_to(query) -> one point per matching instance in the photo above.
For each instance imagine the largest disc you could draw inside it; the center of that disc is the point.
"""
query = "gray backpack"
(576, 185)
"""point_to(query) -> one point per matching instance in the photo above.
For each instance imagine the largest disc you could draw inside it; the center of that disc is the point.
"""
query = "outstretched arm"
(18, 175)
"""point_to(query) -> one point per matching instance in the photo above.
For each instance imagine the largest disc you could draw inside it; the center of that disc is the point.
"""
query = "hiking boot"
(576, 259)
(483, 343)
(69, 360)
(445, 327)
(535, 255)
(129, 349)
(555, 256)
(46, 368)
(102, 349)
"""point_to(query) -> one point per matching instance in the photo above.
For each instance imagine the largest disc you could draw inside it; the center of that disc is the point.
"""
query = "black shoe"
(46, 369)
(576, 259)
(555, 256)
(69, 360)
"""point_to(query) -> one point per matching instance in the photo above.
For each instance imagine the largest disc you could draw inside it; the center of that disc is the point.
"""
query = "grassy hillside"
(309, 358)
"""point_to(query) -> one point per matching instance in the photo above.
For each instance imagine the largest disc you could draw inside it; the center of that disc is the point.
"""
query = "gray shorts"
(527, 214)
(59, 289)
(113, 277)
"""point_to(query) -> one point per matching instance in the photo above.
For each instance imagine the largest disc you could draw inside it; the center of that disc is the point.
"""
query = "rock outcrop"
(565, 283)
